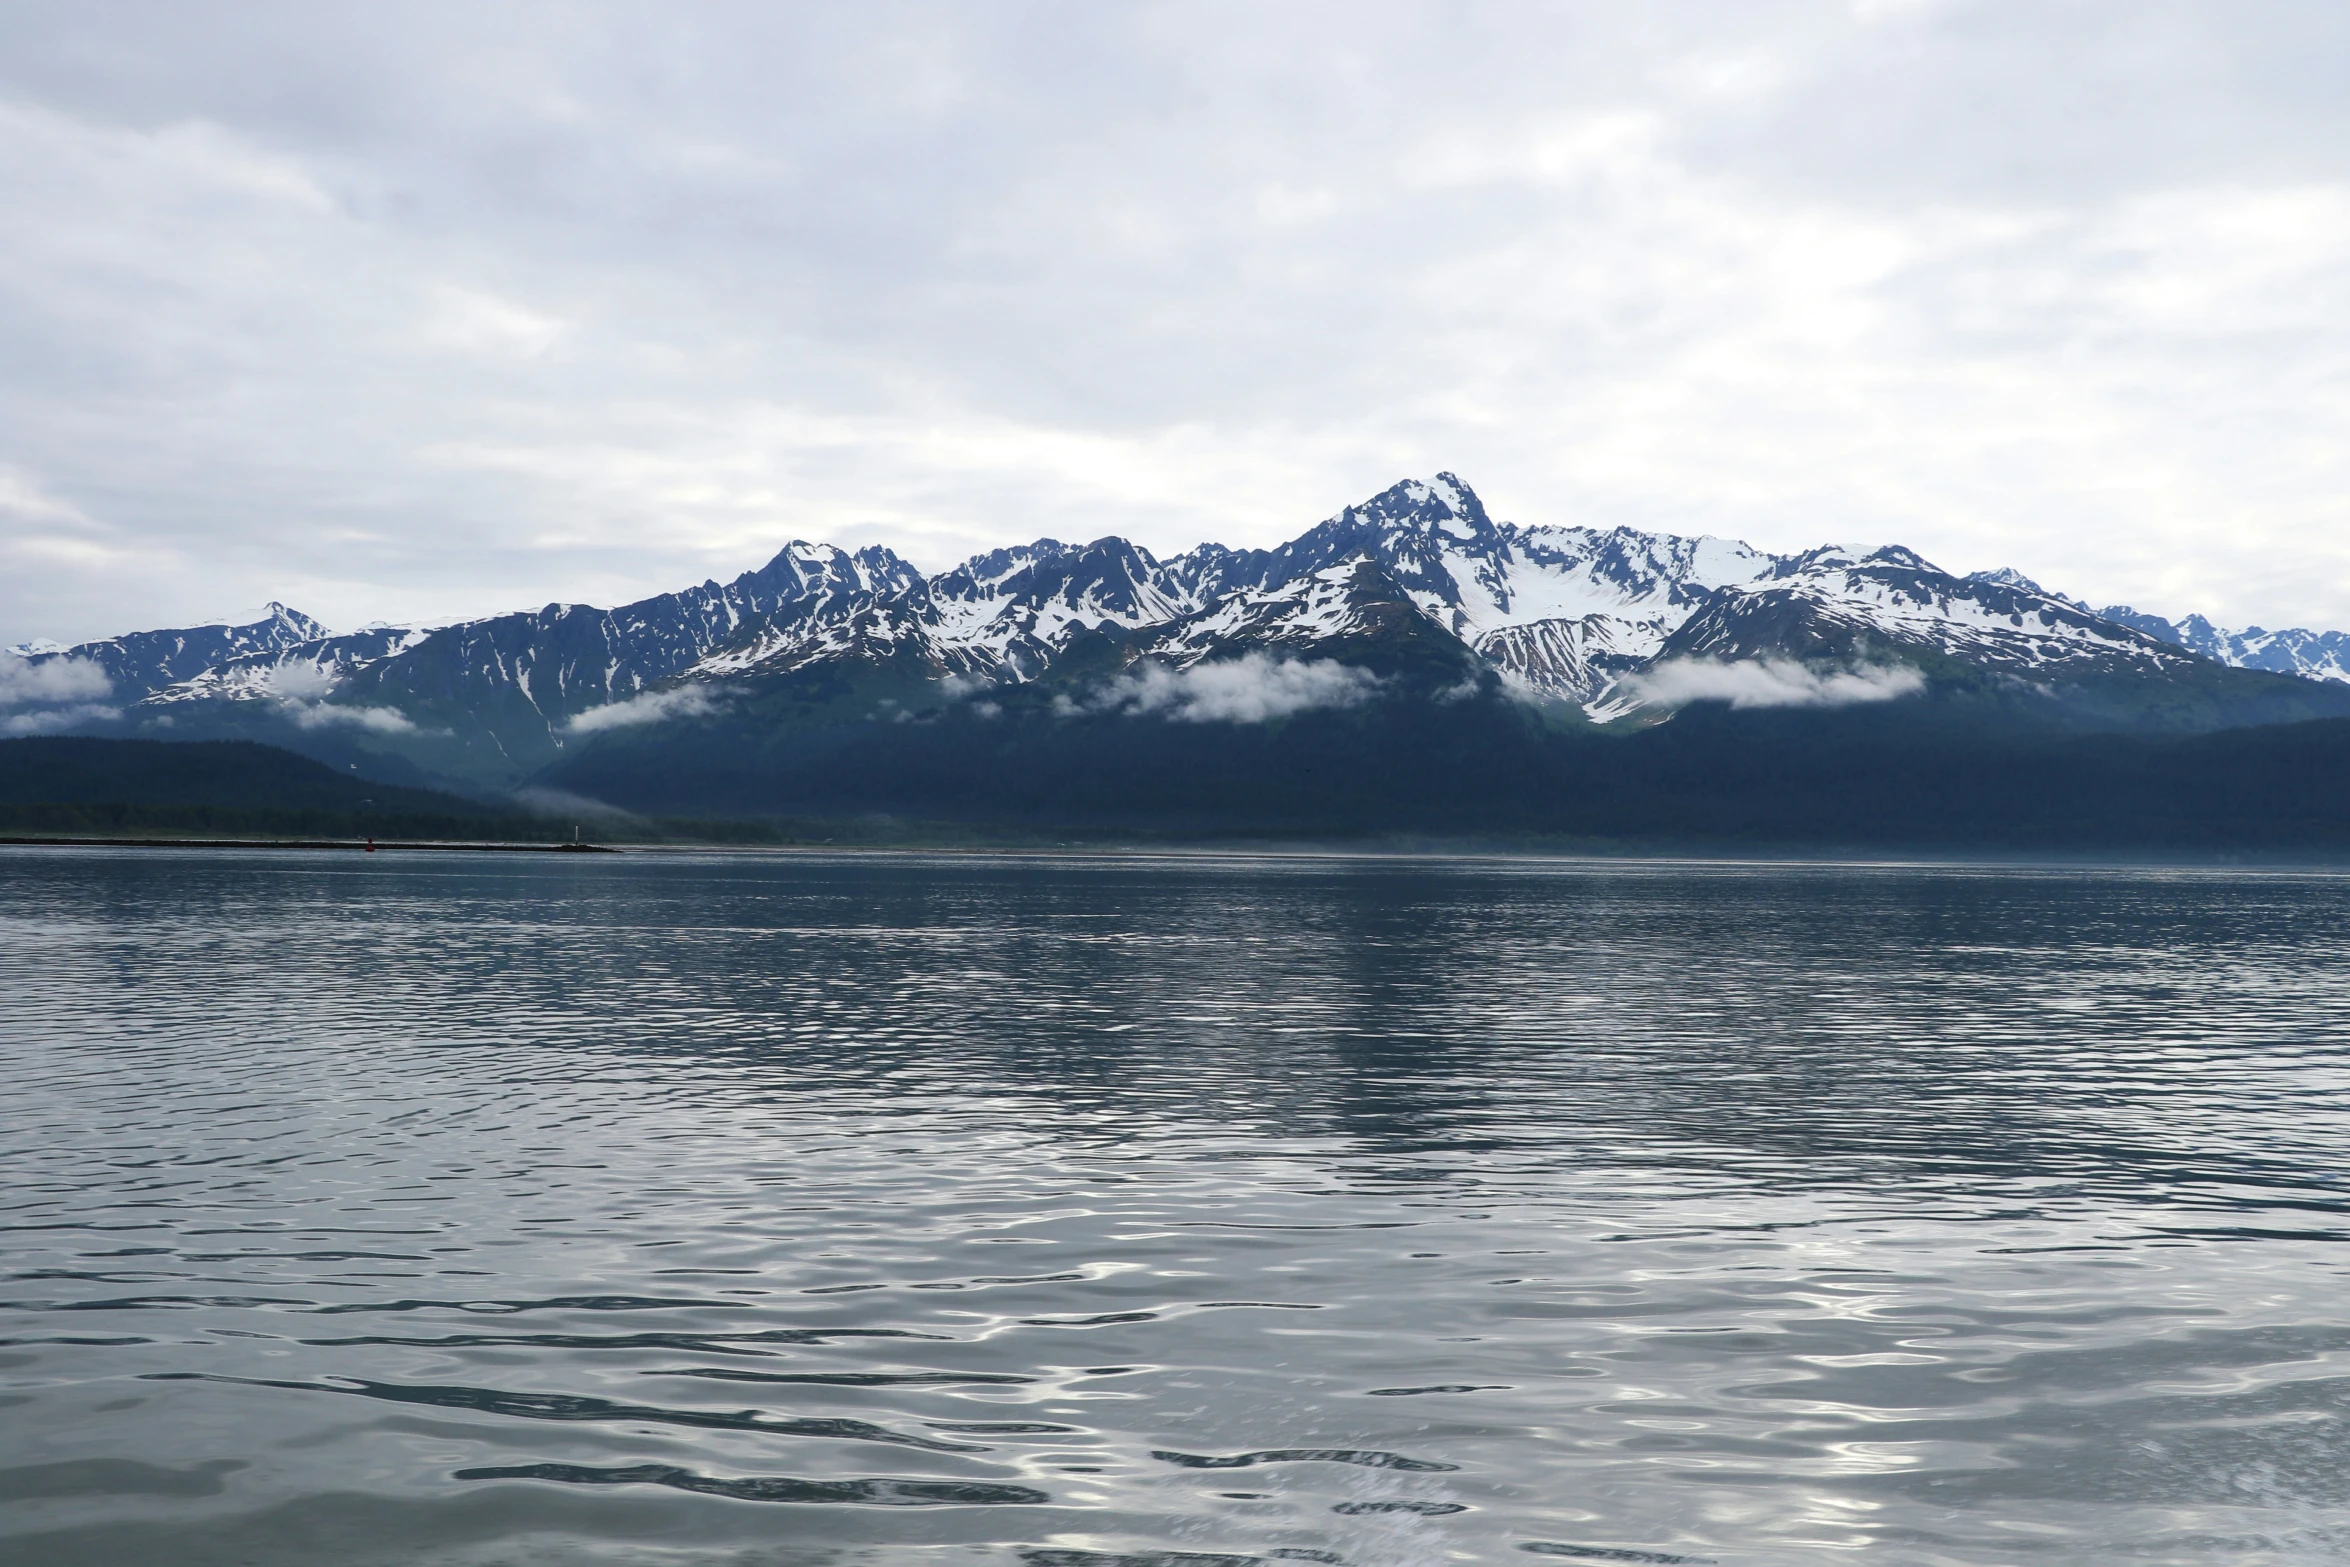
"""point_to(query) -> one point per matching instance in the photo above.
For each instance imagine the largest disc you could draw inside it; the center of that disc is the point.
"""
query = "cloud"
(22, 500)
(436, 309)
(302, 689)
(300, 681)
(647, 707)
(378, 720)
(50, 720)
(49, 682)
(1769, 682)
(46, 695)
(1246, 690)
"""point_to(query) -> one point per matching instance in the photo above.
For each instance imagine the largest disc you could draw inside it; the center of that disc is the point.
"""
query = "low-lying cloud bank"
(1247, 690)
(301, 691)
(647, 707)
(45, 682)
(44, 695)
(376, 720)
(50, 720)
(543, 801)
(1769, 682)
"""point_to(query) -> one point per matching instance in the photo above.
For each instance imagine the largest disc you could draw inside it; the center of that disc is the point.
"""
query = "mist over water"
(1102, 1212)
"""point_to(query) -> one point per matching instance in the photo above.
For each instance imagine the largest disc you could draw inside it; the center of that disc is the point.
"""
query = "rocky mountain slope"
(2314, 655)
(1417, 589)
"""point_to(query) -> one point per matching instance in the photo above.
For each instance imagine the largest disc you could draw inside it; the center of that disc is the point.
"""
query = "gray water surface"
(1088, 1211)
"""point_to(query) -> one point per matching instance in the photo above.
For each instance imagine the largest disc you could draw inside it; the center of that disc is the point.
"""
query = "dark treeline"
(1901, 776)
(102, 819)
(217, 774)
(81, 787)
(1905, 775)
(72, 785)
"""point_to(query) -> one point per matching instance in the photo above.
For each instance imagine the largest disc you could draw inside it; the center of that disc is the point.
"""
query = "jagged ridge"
(1559, 613)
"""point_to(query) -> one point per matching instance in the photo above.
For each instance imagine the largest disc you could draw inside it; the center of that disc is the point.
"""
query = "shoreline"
(1624, 857)
(356, 845)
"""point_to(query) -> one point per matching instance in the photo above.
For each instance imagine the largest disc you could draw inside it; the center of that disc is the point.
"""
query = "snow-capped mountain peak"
(1355, 598)
(144, 661)
(2009, 577)
(2313, 655)
(1420, 575)
(1835, 601)
(293, 623)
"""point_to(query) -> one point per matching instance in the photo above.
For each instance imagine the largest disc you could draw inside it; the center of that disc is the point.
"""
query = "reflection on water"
(1127, 1213)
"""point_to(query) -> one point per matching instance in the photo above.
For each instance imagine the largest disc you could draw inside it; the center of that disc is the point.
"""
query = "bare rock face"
(1419, 576)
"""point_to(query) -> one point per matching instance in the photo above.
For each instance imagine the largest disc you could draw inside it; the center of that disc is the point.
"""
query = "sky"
(425, 311)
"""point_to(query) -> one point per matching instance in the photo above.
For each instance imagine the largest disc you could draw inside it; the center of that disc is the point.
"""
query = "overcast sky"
(410, 312)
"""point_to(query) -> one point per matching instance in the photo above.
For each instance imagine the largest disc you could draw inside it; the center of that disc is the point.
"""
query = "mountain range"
(749, 695)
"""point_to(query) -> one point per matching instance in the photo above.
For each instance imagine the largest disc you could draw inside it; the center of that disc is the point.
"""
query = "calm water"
(1071, 1213)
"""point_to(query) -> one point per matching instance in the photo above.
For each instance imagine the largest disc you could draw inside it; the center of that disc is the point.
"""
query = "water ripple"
(1170, 1212)
(776, 1488)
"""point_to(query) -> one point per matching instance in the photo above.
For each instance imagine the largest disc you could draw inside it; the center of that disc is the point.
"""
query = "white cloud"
(49, 682)
(23, 500)
(300, 682)
(426, 311)
(377, 720)
(474, 321)
(1247, 690)
(46, 695)
(648, 707)
(1768, 682)
(302, 689)
(956, 687)
(50, 720)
